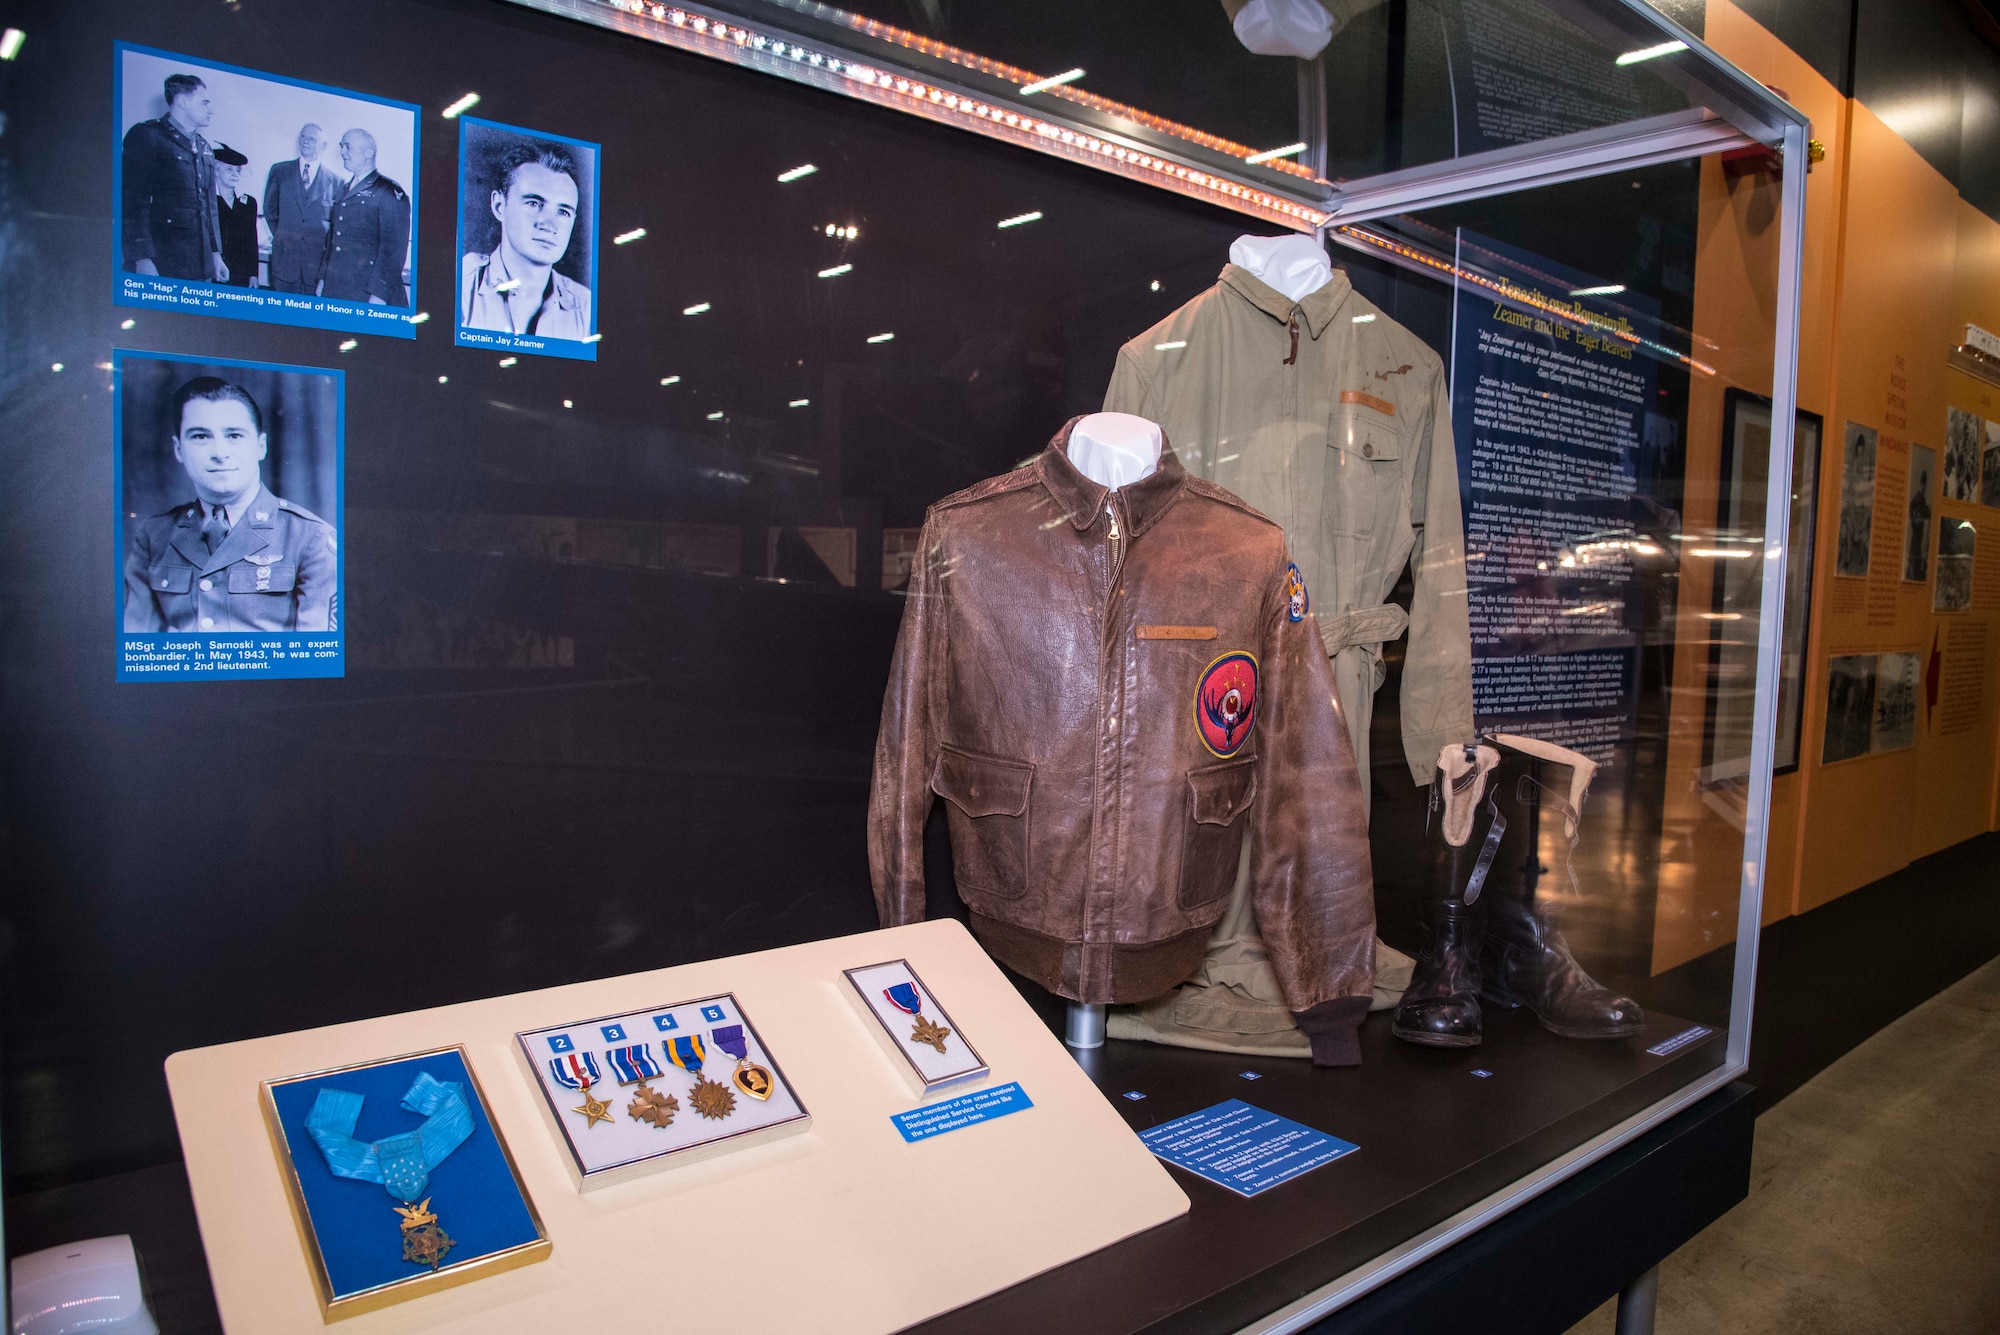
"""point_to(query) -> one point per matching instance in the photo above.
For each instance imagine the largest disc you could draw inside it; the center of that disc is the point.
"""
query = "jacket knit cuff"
(1332, 1028)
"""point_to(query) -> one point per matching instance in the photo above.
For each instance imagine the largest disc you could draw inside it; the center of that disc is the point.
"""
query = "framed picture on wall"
(1738, 588)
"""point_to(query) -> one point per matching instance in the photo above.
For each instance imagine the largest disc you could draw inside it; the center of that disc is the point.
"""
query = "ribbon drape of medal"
(402, 1163)
(634, 1065)
(578, 1071)
(749, 1077)
(905, 998)
(711, 1098)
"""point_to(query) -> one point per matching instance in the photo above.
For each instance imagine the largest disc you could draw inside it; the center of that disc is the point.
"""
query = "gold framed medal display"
(633, 1093)
(400, 1183)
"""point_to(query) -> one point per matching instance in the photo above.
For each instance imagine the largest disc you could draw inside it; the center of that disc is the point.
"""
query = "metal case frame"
(925, 1087)
(829, 49)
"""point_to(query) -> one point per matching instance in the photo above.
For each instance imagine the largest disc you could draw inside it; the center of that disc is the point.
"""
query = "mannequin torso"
(1115, 449)
(1294, 264)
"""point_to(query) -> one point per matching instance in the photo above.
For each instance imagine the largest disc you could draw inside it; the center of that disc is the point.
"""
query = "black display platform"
(1434, 1137)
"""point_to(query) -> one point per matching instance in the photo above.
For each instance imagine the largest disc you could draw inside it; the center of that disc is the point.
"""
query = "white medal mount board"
(809, 1232)
(925, 1044)
(624, 1142)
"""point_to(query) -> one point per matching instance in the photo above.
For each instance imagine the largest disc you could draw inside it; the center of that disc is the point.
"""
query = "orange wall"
(1895, 265)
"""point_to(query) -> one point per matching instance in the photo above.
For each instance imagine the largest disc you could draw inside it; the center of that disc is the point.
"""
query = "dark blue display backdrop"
(1550, 418)
(473, 1192)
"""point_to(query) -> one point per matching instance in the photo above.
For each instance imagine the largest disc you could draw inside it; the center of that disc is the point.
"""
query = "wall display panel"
(527, 241)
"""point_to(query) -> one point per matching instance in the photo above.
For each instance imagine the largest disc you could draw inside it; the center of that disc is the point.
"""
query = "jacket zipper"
(1293, 325)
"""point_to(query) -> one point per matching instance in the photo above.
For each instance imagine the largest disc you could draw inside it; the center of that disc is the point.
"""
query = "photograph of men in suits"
(298, 198)
(167, 176)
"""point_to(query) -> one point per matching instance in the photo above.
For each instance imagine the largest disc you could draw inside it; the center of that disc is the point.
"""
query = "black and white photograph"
(1963, 435)
(1989, 463)
(1917, 532)
(1857, 500)
(1850, 707)
(1953, 592)
(1895, 702)
(527, 240)
(257, 197)
(229, 476)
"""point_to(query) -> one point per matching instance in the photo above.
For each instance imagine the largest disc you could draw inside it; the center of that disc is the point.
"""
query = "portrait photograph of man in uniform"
(230, 177)
(230, 483)
(527, 240)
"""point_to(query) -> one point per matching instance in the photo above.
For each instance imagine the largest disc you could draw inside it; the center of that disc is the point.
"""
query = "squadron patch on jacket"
(1297, 601)
(1225, 703)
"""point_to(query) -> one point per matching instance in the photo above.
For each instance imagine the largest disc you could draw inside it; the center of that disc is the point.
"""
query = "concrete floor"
(1874, 1194)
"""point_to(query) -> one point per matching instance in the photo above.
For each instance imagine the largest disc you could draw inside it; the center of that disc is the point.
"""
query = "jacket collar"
(1318, 308)
(1083, 500)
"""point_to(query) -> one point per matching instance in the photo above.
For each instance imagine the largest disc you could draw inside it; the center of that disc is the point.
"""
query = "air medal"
(711, 1098)
(749, 1077)
(578, 1071)
(905, 998)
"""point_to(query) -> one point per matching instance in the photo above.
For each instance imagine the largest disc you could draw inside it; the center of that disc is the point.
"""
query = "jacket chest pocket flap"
(170, 579)
(988, 815)
(1362, 429)
(246, 578)
(1218, 795)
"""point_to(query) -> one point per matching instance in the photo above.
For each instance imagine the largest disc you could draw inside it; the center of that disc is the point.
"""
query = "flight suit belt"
(1364, 625)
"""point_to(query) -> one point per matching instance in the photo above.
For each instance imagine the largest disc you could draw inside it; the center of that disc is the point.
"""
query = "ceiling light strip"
(691, 30)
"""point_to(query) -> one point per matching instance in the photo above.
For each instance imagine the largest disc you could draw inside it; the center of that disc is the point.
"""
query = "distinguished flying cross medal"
(711, 1098)
(578, 1071)
(905, 998)
(403, 1163)
(749, 1077)
(635, 1066)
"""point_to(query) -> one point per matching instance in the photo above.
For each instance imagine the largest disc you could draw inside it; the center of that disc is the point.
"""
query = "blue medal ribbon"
(402, 1163)
(903, 996)
(687, 1053)
(630, 1065)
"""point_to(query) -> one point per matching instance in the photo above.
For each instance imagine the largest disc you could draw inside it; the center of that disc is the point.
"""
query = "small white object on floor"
(86, 1286)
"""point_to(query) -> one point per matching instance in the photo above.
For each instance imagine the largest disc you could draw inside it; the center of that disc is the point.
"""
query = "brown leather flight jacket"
(1112, 691)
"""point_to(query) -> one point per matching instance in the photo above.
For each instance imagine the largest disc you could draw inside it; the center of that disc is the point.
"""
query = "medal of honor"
(635, 1066)
(749, 1077)
(711, 1098)
(905, 998)
(578, 1071)
(402, 1164)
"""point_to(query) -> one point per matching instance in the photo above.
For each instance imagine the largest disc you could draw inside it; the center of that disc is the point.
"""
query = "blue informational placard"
(305, 218)
(527, 241)
(1243, 1148)
(256, 595)
(966, 1110)
(1554, 381)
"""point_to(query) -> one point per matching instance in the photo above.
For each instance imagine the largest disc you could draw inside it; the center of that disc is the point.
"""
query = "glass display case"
(588, 381)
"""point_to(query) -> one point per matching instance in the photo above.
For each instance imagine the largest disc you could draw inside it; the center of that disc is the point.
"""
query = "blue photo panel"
(229, 478)
(256, 197)
(527, 241)
(479, 1202)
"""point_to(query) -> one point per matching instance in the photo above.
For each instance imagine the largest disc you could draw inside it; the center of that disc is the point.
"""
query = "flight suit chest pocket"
(1218, 797)
(170, 579)
(988, 816)
(245, 577)
(1364, 475)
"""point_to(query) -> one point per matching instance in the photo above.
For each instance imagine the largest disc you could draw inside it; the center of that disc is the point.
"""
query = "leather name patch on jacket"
(1176, 632)
(1383, 406)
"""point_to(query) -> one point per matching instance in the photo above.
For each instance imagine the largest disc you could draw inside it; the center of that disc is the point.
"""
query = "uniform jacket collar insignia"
(1318, 308)
(1084, 500)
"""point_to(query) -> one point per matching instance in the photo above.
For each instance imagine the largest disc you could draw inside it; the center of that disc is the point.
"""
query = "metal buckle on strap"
(1494, 830)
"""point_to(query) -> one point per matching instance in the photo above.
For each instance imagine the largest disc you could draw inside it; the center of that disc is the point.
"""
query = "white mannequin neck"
(1293, 264)
(1115, 449)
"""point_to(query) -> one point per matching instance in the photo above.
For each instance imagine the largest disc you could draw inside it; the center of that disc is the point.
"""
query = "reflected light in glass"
(10, 44)
(798, 403)
(1053, 81)
(128, 324)
(802, 170)
(627, 238)
(670, 380)
(509, 361)
(55, 366)
(836, 271)
(350, 345)
(419, 317)
(444, 380)
(1364, 319)
(1651, 52)
(1169, 347)
(1602, 290)
(464, 104)
(880, 338)
(1020, 218)
(1272, 154)
(1722, 553)
(715, 417)
(698, 308)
